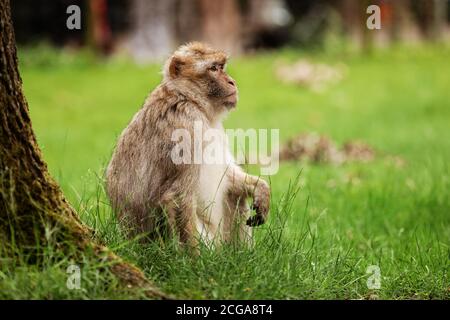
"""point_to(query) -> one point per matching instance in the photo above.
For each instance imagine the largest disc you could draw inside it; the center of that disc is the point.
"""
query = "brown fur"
(152, 194)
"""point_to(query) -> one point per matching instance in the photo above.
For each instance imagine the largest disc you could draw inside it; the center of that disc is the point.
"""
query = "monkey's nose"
(230, 81)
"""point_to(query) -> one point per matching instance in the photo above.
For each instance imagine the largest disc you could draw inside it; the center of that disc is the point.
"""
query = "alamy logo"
(74, 279)
(374, 20)
(74, 20)
(211, 146)
(374, 280)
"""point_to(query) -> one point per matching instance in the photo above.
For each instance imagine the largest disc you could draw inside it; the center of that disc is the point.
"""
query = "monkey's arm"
(246, 185)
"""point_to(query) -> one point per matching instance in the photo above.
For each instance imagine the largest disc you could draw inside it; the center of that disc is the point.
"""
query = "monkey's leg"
(181, 219)
(245, 185)
(237, 212)
(135, 219)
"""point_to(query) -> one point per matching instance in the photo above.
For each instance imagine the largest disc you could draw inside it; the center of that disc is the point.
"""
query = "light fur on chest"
(212, 190)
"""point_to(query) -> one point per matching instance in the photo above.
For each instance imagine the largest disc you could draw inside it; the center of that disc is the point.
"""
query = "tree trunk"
(221, 24)
(31, 202)
(152, 29)
(99, 30)
(353, 13)
(404, 23)
(188, 26)
(440, 19)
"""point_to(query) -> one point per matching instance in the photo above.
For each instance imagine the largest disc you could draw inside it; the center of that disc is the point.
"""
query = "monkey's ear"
(175, 67)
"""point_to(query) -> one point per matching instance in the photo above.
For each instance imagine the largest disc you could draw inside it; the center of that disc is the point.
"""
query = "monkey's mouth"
(234, 93)
(230, 100)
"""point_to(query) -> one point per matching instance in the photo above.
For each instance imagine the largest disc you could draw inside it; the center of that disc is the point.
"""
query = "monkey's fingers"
(261, 209)
(261, 204)
(255, 221)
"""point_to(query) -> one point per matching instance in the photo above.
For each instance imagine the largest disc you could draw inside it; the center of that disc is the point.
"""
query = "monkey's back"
(141, 170)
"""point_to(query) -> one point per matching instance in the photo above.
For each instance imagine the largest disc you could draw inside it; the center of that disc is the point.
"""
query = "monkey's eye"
(214, 68)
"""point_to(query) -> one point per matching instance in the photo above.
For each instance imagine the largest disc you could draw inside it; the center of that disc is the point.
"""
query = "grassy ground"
(325, 228)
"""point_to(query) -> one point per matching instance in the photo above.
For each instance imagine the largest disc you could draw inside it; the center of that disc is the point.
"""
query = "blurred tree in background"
(151, 29)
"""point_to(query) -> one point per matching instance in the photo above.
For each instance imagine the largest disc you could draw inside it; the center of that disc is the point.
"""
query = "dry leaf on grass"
(317, 148)
(316, 76)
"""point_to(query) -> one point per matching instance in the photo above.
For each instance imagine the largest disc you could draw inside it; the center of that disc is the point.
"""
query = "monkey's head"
(200, 69)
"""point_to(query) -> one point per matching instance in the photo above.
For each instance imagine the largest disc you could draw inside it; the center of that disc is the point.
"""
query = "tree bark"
(31, 202)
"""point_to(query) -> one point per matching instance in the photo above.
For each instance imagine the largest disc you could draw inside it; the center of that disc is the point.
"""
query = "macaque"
(192, 200)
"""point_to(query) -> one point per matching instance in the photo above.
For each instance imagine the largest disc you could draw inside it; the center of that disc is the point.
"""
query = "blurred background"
(310, 68)
(363, 117)
(151, 29)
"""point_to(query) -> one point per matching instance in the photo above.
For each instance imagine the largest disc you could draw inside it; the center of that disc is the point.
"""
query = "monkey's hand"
(261, 204)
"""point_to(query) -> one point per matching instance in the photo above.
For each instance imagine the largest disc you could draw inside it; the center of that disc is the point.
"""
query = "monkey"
(152, 194)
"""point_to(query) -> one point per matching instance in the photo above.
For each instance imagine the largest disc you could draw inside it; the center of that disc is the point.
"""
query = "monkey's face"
(203, 69)
(220, 87)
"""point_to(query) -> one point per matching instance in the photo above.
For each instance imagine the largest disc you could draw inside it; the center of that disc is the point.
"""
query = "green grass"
(325, 228)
